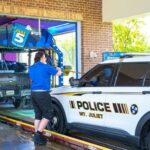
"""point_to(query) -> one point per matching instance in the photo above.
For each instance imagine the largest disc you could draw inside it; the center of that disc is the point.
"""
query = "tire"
(57, 124)
(147, 141)
(18, 102)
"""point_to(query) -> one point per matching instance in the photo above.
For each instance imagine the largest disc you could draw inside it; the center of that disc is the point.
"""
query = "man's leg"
(36, 124)
(37, 111)
(39, 127)
(42, 125)
(47, 111)
(37, 138)
(44, 104)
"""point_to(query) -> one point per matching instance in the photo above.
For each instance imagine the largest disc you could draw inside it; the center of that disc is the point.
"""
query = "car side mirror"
(73, 81)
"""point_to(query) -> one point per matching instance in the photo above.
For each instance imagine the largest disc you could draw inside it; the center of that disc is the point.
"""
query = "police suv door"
(87, 103)
(127, 99)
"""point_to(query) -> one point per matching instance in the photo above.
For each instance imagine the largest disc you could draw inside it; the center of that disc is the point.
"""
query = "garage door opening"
(63, 32)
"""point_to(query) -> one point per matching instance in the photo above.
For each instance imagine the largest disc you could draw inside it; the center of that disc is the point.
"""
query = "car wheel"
(147, 141)
(57, 123)
(18, 102)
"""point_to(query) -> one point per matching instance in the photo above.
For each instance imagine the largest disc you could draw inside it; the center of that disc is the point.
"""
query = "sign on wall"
(111, 55)
(20, 35)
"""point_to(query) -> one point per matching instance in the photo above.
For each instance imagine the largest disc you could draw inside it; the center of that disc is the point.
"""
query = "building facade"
(96, 35)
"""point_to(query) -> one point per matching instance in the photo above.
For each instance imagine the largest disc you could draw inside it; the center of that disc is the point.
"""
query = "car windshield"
(100, 75)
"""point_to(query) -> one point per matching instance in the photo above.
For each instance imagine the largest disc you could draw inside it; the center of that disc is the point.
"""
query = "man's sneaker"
(39, 139)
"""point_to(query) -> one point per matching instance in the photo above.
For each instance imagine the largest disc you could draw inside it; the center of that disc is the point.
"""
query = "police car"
(113, 98)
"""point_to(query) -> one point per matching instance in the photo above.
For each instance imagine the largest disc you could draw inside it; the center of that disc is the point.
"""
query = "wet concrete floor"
(105, 141)
(12, 138)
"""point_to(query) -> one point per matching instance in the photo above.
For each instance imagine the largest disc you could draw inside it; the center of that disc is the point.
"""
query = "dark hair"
(38, 56)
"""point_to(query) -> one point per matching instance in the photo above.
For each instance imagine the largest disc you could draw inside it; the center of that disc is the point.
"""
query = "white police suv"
(113, 98)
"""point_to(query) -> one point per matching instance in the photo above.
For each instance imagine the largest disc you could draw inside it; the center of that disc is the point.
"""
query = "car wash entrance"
(20, 39)
(28, 34)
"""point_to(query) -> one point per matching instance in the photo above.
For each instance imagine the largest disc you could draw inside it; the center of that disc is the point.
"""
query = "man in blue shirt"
(40, 74)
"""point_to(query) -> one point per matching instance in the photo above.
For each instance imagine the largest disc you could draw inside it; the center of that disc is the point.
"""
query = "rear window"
(133, 74)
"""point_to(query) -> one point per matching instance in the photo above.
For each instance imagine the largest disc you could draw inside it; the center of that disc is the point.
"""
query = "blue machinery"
(60, 58)
(47, 41)
(21, 37)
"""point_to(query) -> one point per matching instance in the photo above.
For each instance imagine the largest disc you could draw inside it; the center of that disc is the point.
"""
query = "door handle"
(145, 92)
(97, 92)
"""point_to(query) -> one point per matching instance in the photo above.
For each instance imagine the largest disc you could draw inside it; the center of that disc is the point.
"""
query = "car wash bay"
(20, 38)
(15, 59)
(62, 39)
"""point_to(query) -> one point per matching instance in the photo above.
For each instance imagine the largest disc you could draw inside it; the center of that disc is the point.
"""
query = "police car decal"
(134, 109)
(76, 93)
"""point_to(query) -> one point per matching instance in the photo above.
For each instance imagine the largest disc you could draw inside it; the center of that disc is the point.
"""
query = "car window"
(3, 65)
(131, 74)
(101, 75)
(12, 66)
(16, 66)
(147, 79)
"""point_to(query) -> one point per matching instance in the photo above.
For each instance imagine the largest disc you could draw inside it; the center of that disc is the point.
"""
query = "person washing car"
(40, 74)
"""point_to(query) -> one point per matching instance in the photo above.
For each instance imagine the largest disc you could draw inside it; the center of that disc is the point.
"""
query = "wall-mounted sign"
(20, 35)
(111, 55)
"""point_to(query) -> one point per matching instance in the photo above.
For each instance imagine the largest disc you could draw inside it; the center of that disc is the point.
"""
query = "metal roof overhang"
(117, 9)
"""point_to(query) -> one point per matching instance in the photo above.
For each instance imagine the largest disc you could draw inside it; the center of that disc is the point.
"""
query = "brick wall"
(95, 35)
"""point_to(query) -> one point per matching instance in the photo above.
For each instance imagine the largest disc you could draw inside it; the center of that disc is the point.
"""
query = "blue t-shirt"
(40, 75)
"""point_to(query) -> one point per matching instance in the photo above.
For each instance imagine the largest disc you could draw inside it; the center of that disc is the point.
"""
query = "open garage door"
(63, 39)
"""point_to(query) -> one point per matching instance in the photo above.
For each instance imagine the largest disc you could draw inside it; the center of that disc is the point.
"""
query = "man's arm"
(59, 71)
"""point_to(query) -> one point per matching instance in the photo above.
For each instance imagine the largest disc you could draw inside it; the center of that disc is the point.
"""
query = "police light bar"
(129, 55)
